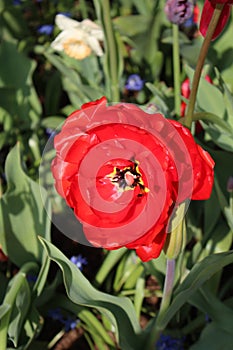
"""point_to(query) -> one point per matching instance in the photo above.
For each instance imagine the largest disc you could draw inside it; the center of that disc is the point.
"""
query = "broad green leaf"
(4, 309)
(32, 326)
(221, 138)
(210, 305)
(213, 119)
(19, 312)
(23, 214)
(17, 77)
(14, 22)
(214, 338)
(144, 7)
(14, 287)
(199, 274)
(132, 24)
(190, 51)
(212, 212)
(209, 98)
(224, 205)
(52, 122)
(119, 310)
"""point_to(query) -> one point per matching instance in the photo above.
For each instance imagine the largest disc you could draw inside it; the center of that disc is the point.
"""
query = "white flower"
(78, 39)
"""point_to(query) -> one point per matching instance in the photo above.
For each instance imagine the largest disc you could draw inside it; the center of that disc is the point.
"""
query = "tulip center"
(76, 48)
(128, 178)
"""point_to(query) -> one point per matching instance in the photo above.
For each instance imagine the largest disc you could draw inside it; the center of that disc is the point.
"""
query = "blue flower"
(16, 2)
(134, 83)
(31, 278)
(79, 261)
(55, 314)
(50, 132)
(166, 342)
(46, 29)
(67, 14)
(70, 323)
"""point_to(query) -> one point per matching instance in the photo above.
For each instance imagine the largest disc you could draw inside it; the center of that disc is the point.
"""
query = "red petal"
(153, 250)
(202, 165)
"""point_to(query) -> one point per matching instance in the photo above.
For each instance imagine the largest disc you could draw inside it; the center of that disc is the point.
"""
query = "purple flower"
(46, 29)
(178, 11)
(166, 342)
(230, 184)
(79, 261)
(134, 83)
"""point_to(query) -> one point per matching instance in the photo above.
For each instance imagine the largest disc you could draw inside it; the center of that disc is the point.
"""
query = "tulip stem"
(176, 68)
(111, 52)
(159, 325)
(200, 63)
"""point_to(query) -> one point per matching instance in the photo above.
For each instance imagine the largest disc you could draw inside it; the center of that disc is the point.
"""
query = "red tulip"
(185, 92)
(123, 172)
(207, 13)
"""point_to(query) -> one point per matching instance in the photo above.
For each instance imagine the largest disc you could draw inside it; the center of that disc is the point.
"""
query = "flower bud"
(178, 11)
(230, 184)
(176, 238)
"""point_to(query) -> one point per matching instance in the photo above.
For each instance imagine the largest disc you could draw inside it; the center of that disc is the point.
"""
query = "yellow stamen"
(76, 49)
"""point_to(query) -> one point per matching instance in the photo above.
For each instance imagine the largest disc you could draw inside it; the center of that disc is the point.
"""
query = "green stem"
(111, 46)
(176, 68)
(166, 299)
(200, 63)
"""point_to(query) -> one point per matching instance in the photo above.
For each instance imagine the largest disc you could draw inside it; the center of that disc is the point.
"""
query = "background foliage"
(111, 304)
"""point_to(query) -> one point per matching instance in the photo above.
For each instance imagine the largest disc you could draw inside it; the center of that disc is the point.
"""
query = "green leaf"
(23, 215)
(4, 309)
(213, 338)
(139, 295)
(118, 310)
(32, 326)
(209, 304)
(52, 122)
(213, 119)
(17, 77)
(199, 274)
(19, 312)
(131, 281)
(132, 25)
(212, 212)
(226, 209)
(14, 287)
(209, 97)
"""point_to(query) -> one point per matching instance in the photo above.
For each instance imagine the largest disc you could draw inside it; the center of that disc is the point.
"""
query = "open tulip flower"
(78, 39)
(207, 14)
(123, 171)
